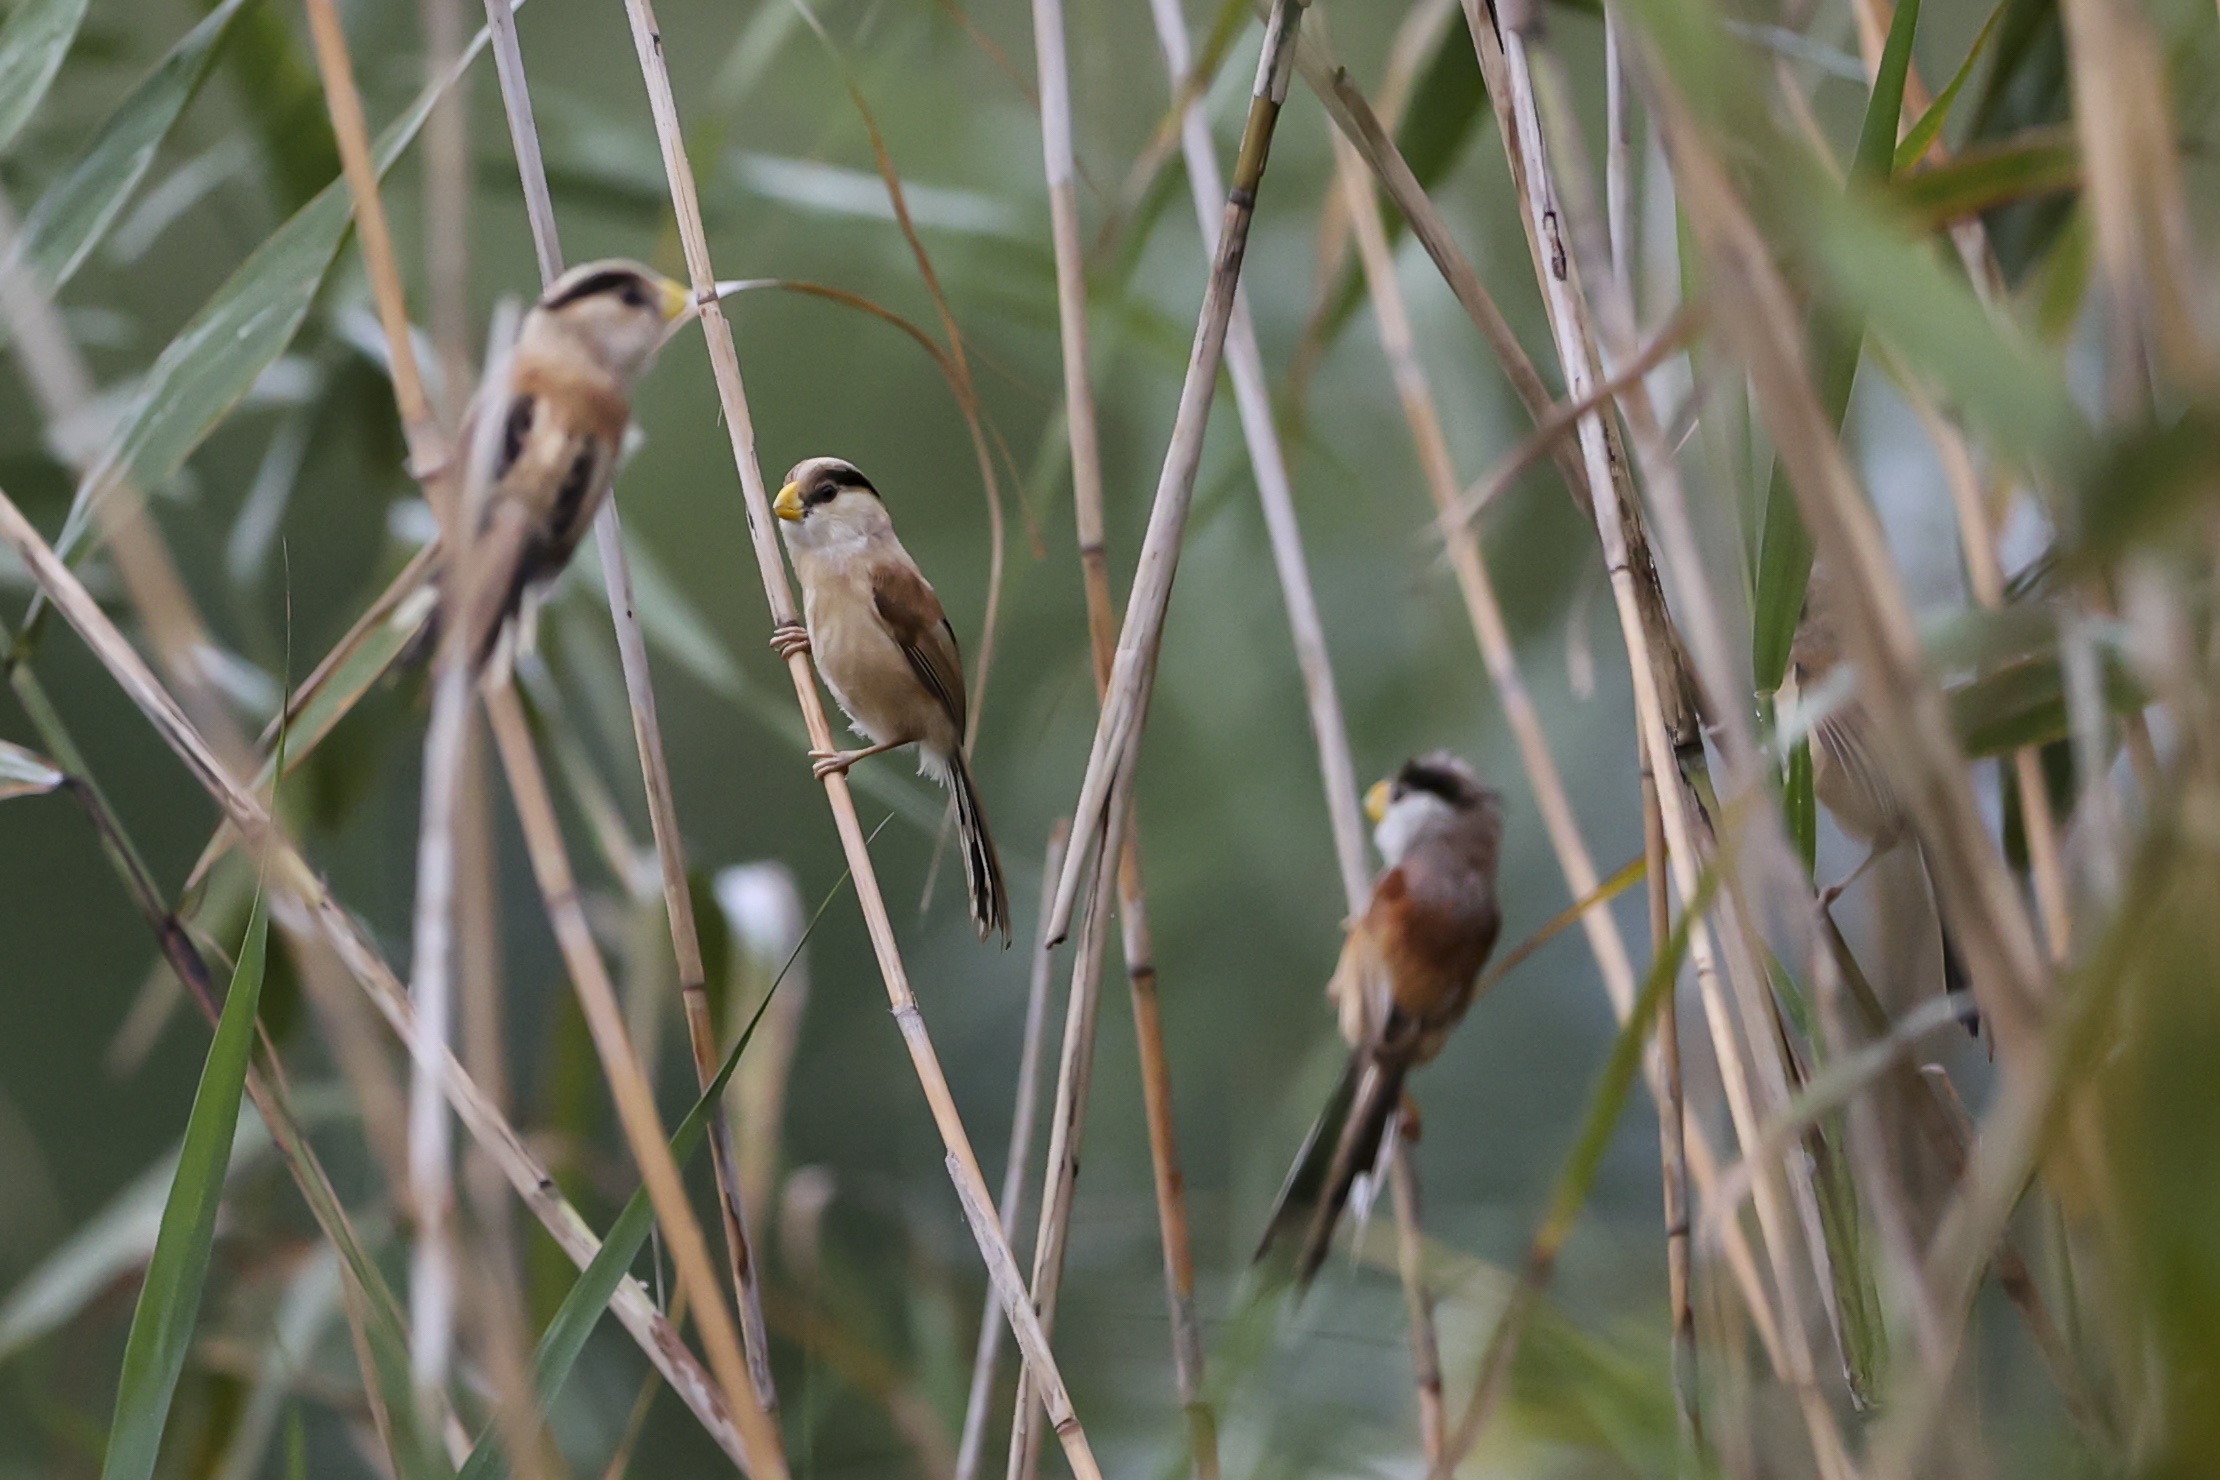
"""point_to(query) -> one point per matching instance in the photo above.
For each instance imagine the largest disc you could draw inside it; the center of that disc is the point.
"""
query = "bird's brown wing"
(914, 619)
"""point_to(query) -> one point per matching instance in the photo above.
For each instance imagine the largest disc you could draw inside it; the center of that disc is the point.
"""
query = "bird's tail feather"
(990, 900)
(1341, 1146)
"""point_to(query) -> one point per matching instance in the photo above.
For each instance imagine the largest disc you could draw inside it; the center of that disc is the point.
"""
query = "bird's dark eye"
(633, 294)
(822, 493)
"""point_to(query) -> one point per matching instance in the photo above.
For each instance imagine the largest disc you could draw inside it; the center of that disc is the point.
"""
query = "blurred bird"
(578, 354)
(1846, 777)
(886, 650)
(1406, 976)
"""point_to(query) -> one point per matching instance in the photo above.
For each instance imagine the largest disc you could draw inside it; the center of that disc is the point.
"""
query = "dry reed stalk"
(1124, 709)
(290, 876)
(1075, 1066)
(1023, 1113)
(1672, 1127)
(1067, 1126)
(427, 447)
(1410, 1259)
(724, 361)
(628, 1082)
(1252, 395)
(1754, 1076)
(447, 193)
(647, 733)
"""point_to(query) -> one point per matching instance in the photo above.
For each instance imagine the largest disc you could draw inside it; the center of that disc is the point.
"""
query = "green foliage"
(33, 43)
(75, 213)
(169, 1301)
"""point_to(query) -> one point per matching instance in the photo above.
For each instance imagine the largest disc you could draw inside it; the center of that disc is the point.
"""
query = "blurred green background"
(285, 524)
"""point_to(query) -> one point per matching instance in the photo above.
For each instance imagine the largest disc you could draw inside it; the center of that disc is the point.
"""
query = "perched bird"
(886, 650)
(1406, 976)
(579, 352)
(1847, 778)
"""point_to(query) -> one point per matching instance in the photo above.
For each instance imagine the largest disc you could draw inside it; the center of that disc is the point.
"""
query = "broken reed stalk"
(1746, 1076)
(647, 734)
(1067, 1126)
(628, 1082)
(1024, 1112)
(1124, 709)
(724, 361)
(289, 874)
(1672, 1126)
(1252, 395)
(1493, 635)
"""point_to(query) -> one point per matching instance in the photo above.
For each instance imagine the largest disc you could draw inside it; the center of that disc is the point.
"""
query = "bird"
(1847, 777)
(579, 352)
(885, 648)
(1408, 970)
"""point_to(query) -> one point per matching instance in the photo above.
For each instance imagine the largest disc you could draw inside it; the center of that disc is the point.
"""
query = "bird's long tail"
(1342, 1145)
(990, 900)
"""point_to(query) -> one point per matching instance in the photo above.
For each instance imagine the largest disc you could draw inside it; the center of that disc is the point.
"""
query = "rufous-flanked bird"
(886, 650)
(579, 352)
(1406, 975)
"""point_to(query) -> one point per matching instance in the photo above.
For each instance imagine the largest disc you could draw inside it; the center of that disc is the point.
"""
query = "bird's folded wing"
(913, 617)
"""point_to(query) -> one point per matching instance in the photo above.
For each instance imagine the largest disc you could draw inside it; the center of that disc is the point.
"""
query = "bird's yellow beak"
(677, 300)
(788, 505)
(1376, 802)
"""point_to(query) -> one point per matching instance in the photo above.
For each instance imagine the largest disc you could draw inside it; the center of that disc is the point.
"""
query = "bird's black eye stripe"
(626, 285)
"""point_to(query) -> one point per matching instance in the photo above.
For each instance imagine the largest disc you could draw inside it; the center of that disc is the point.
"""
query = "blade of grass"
(169, 1301)
(1922, 134)
(76, 211)
(36, 37)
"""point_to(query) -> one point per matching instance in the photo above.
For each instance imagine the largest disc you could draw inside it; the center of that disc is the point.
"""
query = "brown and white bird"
(579, 352)
(886, 650)
(1847, 777)
(1406, 975)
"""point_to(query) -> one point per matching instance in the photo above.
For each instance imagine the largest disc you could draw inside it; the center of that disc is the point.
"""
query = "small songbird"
(579, 352)
(1406, 975)
(886, 650)
(1847, 778)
